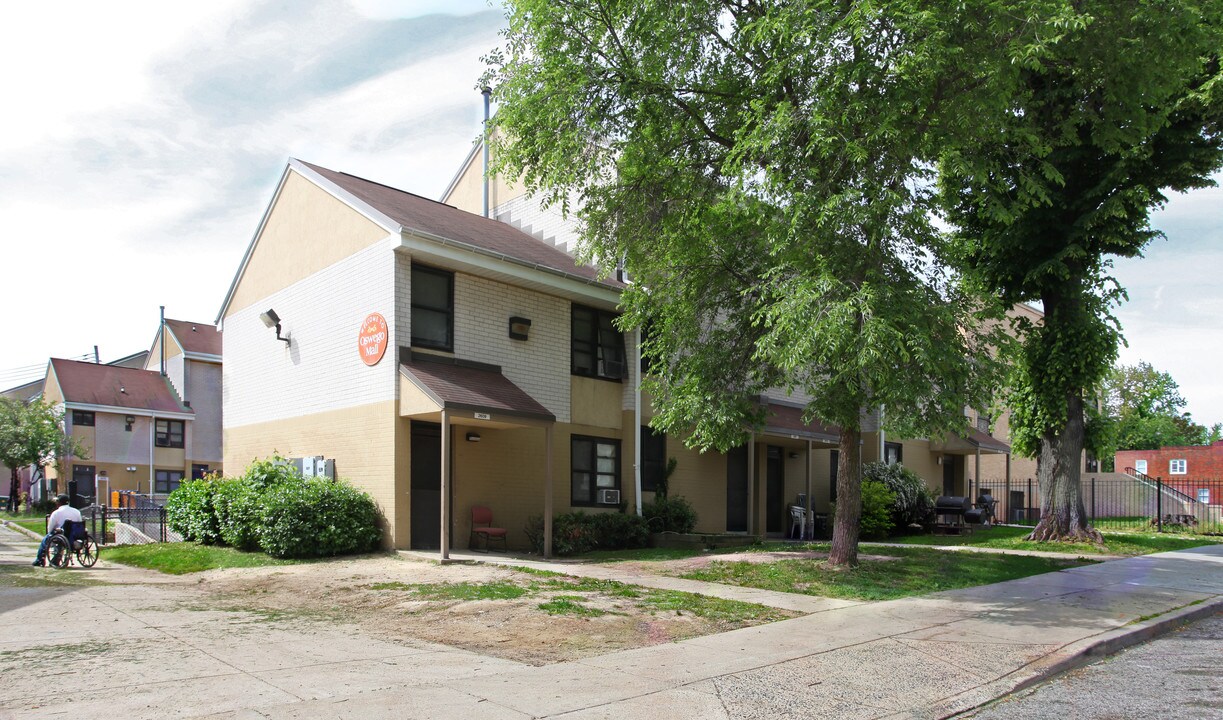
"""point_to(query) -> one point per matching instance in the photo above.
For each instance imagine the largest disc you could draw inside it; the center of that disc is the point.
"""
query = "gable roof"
(402, 212)
(84, 383)
(196, 338)
(420, 215)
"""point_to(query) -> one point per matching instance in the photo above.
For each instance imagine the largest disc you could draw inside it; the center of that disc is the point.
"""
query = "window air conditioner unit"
(609, 497)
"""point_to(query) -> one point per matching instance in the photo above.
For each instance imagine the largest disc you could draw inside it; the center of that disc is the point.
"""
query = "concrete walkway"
(114, 650)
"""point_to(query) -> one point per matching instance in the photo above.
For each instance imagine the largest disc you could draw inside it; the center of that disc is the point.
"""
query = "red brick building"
(1195, 470)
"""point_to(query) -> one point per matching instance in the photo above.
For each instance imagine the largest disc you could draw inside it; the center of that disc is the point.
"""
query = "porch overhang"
(787, 421)
(474, 393)
(970, 443)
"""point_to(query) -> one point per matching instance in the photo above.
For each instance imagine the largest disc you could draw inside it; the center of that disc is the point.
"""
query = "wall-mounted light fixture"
(938, 460)
(130, 420)
(272, 320)
(793, 456)
(520, 328)
(473, 437)
(131, 468)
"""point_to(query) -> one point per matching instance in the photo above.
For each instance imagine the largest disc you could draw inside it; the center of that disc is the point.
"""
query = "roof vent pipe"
(487, 92)
(162, 340)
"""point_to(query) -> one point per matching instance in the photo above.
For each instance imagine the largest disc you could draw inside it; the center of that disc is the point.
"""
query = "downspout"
(152, 444)
(487, 92)
(637, 425)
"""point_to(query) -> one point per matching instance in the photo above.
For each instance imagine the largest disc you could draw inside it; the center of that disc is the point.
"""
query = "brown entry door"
(426, 486)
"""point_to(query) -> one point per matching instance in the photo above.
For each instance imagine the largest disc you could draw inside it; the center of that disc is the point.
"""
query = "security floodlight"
(272, 320)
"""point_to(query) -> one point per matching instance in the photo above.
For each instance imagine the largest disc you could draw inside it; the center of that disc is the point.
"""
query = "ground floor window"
(893, 452)
(167, 481)
(595, 476)
(1204, 496)
(198, 471)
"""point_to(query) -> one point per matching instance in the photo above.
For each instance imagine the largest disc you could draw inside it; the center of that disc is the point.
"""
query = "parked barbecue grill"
(950, 512)
(988, 506)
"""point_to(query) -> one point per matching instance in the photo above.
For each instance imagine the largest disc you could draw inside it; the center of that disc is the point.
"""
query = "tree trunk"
(1062, 515)
(846, 523)
(14, 498)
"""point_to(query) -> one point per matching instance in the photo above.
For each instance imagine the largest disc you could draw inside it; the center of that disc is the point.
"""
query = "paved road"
(1176, 676)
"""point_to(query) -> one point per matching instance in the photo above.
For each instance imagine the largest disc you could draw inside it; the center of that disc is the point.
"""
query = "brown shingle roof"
(787, 420)
(465, 387)
(201, 338)
(93, 384)
(414, 212)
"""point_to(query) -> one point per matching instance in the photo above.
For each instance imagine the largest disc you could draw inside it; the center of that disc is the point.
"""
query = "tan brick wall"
(362, 440)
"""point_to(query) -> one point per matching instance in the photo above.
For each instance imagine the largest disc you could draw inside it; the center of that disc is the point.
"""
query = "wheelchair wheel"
(59, 552)
(88, 554)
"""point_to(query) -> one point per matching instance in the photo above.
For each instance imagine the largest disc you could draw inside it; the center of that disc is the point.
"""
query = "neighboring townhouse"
(189, 355)
(31, 479)
(147, 421)
(131, 422)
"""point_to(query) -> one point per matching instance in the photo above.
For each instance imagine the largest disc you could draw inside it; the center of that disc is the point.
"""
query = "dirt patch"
(487, 609)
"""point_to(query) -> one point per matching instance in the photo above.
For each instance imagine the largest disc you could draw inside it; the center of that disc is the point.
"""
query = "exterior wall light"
(272, 320)
(520, 328)
(473, 437)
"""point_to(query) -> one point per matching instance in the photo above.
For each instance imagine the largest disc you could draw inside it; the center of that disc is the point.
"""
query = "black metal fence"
(1122, 501)
(141, 513)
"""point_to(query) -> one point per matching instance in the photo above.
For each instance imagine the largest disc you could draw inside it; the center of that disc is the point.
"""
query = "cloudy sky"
(141, 142)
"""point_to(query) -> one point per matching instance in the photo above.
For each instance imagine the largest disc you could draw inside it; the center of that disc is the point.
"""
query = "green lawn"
(186, 557)
(1115, 543)
(914, 571)
(37, 523)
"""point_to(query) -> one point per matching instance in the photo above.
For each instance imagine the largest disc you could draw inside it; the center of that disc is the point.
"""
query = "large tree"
(763, 170)
(31, 434)
(1123, 103)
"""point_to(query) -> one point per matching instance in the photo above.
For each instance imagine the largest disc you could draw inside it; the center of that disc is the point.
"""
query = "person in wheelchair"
(67, 515)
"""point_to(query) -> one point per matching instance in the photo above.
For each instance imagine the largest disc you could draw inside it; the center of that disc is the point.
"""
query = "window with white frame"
(1204, 496)
(1140, 466)
(1177, 467)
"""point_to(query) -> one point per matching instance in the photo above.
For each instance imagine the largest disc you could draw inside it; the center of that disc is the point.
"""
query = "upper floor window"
(893, 452)
(169, 433)
(598, 347)
(983, 423)
(82, 417)
(1177, 467)
(432, 308)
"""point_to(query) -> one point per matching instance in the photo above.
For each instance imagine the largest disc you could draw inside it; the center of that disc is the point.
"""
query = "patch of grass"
(56, 653)
(457, 591)
(914, 571)
(25, 576)
(1115, 543)
(35, 523)
(187, 557)
(643, 554)
(569, 605)
(710, 608)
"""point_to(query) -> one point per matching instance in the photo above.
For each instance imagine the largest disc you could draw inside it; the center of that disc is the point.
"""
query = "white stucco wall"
(265, 379)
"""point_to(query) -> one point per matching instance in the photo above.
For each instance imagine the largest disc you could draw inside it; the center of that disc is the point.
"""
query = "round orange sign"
(371, 341)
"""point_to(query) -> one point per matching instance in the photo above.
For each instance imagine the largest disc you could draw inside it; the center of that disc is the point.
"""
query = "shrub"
(317, 517)
(576, 533)
(239, 508)
(664, 514)
(190, 511)
(264, 474)
(877, 502)
(914, 503)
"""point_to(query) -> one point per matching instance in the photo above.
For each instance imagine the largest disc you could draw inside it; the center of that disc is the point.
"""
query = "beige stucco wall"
(307, 230)
(468, 191)
(362, 441)
(596, 402)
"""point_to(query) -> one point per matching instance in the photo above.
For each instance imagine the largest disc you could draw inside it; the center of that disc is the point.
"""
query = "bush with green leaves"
(239, 509)
(190, 511)
(317, 517)
(667, 514)
(576, 533)
(877, 503)
(914, 502)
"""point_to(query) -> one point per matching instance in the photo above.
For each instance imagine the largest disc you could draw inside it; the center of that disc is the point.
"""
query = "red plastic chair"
(481, 525)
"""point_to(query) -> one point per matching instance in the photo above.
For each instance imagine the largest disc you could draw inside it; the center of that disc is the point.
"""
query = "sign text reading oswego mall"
(371, 341)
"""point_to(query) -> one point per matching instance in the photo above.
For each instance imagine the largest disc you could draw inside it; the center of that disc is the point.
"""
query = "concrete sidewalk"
(930, 656)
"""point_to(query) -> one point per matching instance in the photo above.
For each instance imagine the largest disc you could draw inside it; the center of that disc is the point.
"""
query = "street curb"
(1071, 656)
(24, 531)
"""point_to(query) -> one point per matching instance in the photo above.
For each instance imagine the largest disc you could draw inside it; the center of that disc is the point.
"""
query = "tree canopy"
(764, 172)
(31, 434)
(1092, 131)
